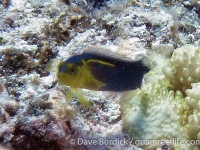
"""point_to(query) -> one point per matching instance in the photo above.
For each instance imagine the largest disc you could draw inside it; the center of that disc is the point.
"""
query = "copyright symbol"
(72, 141)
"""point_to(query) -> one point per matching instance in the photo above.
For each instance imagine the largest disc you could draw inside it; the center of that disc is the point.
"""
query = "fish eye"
(71, 68)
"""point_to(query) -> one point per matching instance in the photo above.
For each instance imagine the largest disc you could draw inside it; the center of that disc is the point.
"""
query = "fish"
(100, 69)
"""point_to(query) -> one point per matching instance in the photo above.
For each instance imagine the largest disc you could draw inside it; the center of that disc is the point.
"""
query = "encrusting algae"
(101, 70)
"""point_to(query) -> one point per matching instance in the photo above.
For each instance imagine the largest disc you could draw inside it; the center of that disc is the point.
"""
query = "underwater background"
(163, 114)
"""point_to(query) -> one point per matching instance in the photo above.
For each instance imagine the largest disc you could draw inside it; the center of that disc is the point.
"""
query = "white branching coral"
(184, 67)
(154, 113)
(193, 101)
(165, 107)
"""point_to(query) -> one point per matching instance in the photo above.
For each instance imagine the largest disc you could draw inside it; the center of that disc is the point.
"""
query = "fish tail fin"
(147, 62)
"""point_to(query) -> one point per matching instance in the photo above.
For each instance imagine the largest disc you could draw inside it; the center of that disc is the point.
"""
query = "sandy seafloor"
(34, 112)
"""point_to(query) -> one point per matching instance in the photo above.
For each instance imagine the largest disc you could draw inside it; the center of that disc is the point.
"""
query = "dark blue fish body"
(125, 75)
(122, 77)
